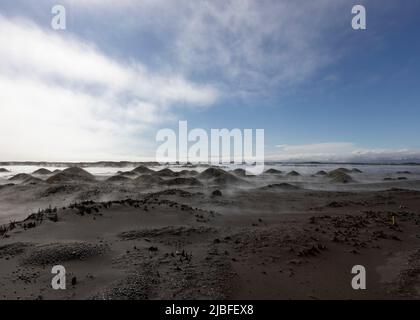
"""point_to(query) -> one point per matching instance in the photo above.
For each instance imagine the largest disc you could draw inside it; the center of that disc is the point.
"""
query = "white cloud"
(62, 98)
(340, 151)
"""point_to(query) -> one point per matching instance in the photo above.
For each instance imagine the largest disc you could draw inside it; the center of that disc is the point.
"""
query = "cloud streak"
(341, 152)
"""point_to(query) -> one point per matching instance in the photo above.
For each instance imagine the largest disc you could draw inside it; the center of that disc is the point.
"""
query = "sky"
(102, 88)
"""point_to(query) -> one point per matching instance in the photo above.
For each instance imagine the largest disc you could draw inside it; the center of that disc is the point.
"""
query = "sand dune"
(213, 235)
(340, 176)
(143, 170)
(166, 173)
(212, 173)
(20, 177)
(73, 174)
(220, 177)
(24, 178)
(42, 171)
(273, 171)
(345, 170)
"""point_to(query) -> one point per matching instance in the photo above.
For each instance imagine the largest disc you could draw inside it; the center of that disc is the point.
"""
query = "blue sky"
(103, 87)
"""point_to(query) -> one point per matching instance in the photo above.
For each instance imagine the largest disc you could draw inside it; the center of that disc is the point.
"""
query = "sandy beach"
(210, 233)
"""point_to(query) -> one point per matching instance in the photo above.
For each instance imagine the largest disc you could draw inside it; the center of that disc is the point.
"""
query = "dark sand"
(213, 235)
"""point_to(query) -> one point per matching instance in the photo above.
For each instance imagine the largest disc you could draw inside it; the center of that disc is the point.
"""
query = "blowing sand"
(150, 234)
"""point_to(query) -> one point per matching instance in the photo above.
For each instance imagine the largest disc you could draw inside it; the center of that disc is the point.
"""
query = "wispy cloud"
(256, 46)
(247, 47)
(340, 151)
(63, 98)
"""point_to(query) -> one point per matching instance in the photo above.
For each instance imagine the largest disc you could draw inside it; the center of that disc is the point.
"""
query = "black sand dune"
(73, 174)
(20, 177)
(220, 177)
(354, 170)
(321, 173)
(142, 170)
(24, 178)
(293, 173)
(340, 176)
(273, 171)
(3, 170)
(166, 173)
(212, 173)
(42, 171)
